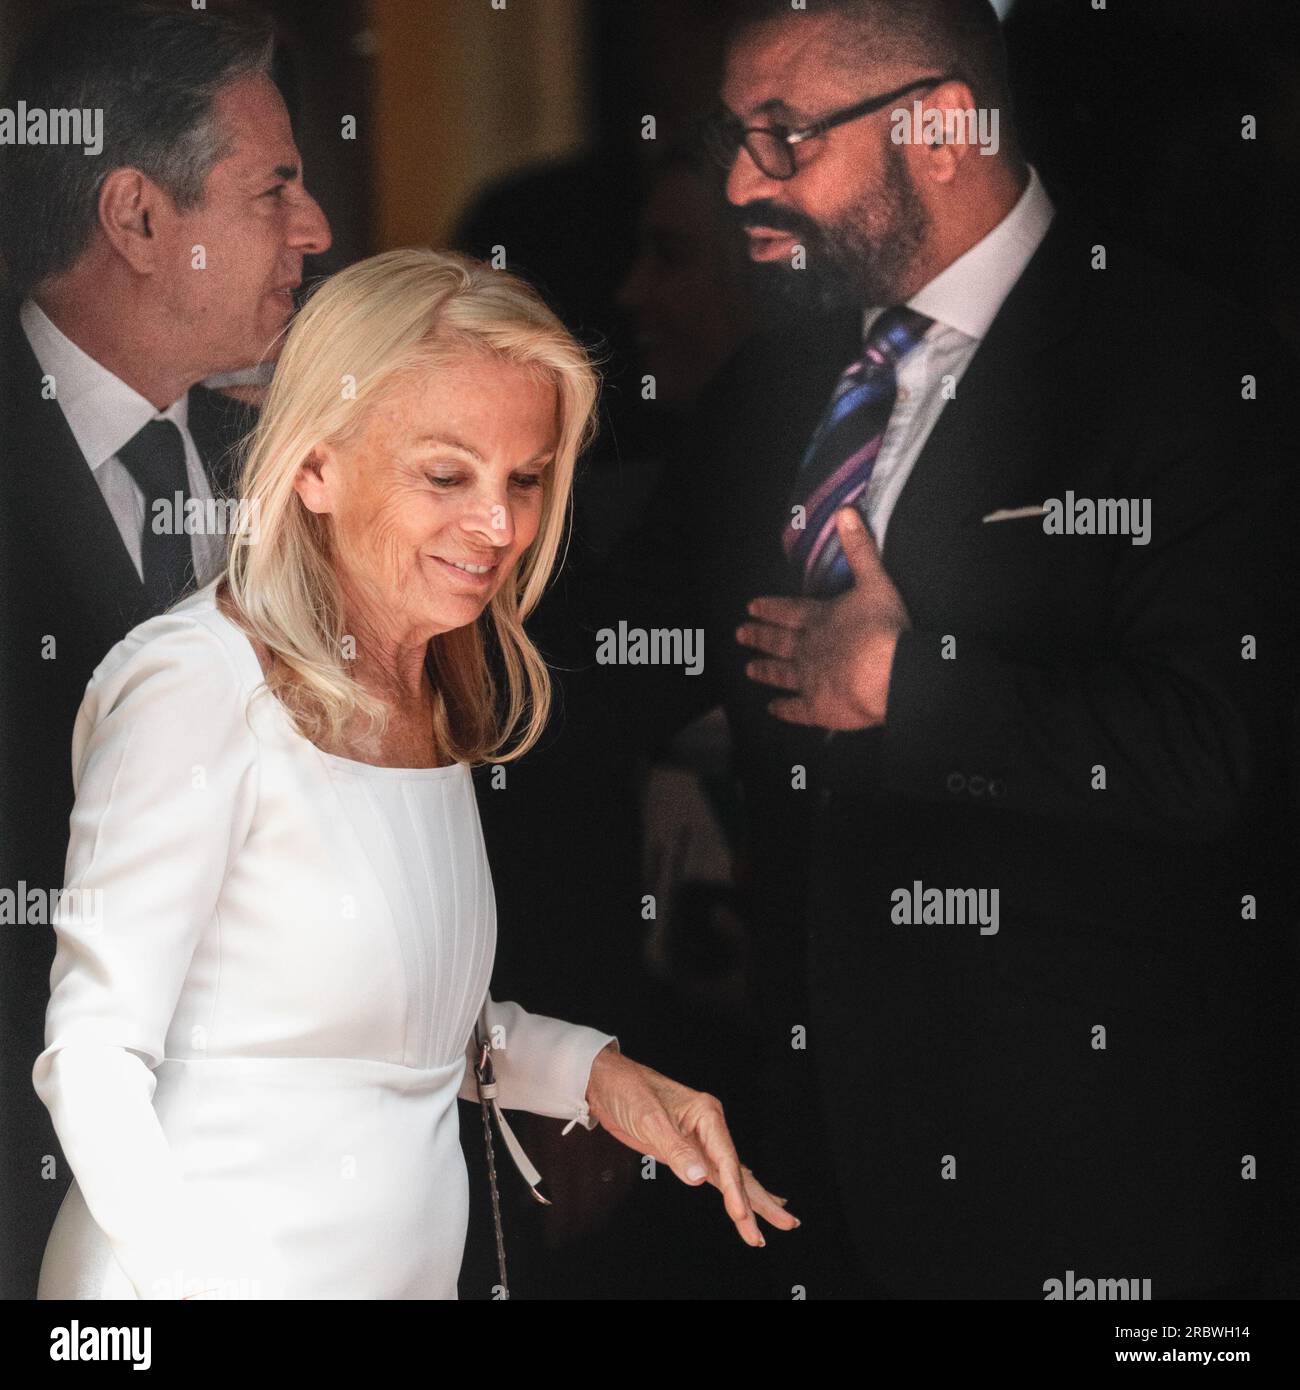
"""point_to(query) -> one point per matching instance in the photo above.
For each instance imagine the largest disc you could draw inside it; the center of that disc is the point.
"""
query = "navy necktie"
(837, 465)
(155, 458)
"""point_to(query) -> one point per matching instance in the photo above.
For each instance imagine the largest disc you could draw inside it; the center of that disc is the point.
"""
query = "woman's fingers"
(767, 1204)
(728, 1175)
(684, 1159)
(688, 1131)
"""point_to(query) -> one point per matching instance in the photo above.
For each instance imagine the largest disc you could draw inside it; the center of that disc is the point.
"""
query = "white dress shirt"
(105, 414)
(963, 300)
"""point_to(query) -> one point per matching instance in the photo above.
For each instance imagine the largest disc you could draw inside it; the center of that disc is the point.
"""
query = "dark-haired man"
(987, 554)
(168, 254)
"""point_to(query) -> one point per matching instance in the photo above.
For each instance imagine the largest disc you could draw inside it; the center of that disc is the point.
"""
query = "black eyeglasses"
(772, 147)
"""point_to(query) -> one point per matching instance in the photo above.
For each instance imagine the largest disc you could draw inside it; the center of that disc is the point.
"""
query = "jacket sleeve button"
(956, 783)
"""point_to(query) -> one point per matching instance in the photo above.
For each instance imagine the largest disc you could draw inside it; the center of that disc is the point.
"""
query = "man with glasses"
(1010, 778)
(857, 254)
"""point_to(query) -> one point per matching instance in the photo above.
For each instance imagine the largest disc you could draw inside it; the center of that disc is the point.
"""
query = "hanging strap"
(487, 1093)
(489, 1106)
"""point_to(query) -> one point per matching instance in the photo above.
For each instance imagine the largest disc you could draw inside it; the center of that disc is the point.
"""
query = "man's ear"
(130, 205)
(943, 155)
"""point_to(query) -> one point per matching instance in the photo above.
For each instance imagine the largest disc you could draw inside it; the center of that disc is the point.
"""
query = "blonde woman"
(255, 1044)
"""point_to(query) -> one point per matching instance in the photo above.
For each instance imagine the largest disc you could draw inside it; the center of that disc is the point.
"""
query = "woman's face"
(435, 499)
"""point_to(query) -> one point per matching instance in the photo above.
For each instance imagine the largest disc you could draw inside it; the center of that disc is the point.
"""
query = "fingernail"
(697, 1171)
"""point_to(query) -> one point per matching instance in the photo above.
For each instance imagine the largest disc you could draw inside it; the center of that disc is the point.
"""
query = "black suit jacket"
(67, 575)
(1085, 1088)
(68, 593)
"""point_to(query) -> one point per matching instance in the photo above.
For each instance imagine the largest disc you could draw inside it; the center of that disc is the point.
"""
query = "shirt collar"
(968, 294)
(102, 411)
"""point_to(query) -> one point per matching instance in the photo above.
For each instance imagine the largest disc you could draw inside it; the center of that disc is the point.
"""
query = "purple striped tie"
(837, 466)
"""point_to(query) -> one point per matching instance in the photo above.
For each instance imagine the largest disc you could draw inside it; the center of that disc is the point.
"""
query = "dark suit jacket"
(987, 1134)
(65, 578)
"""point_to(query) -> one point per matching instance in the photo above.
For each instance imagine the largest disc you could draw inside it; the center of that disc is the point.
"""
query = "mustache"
(779, 219)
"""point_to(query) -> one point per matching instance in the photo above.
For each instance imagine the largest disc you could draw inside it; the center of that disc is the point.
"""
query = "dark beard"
(848, 265)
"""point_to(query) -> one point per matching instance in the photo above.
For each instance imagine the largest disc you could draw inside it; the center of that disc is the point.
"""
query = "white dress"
(263, 997)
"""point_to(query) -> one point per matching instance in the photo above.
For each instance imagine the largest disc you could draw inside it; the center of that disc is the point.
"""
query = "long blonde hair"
(360, 333)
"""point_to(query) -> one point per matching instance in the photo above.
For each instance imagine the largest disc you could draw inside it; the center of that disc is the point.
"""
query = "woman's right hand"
(685, 1129)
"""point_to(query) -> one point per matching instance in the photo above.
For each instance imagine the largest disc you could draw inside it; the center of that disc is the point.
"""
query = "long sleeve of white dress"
(166, 781)
(540, 1064)
(174, 783)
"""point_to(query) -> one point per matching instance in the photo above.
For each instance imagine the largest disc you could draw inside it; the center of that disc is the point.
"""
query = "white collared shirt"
(963, 300)
(104, 414)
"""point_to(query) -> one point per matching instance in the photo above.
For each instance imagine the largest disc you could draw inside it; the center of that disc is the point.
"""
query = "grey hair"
(154, 71)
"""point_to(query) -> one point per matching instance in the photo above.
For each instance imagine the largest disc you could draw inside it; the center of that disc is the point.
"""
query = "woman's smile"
(481, 576)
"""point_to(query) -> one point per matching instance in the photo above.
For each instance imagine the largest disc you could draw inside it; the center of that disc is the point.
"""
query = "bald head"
(848, 199)
(864, 37)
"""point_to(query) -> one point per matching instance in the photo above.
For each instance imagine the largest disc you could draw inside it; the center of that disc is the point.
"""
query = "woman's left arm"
(571, 1072)
(541, 1064)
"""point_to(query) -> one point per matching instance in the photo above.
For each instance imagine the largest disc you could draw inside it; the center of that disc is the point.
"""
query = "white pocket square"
(1016, 513)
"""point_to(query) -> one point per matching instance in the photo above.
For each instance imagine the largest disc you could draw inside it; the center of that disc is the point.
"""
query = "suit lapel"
(974, 450)
(218, 424)
(58, 502)
(59, 506)
(800, 371)
(780, 389)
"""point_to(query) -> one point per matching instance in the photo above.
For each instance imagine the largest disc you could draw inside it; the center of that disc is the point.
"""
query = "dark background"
(524, 128)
